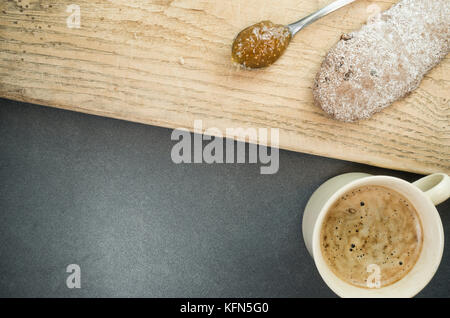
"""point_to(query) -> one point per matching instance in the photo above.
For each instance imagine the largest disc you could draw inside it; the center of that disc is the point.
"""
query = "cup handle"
(435, 186)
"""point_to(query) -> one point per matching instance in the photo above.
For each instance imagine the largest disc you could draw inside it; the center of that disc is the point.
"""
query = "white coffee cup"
(424, 194)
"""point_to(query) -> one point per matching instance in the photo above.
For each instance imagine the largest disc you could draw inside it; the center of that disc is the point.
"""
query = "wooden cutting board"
(167, 63)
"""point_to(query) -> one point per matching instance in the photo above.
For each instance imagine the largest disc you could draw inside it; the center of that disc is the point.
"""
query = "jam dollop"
(260, 45)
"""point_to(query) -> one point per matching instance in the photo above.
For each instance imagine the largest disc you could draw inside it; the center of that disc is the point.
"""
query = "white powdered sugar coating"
(385, 60)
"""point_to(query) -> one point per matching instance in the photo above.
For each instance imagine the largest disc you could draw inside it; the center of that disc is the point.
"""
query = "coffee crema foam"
(371, 225)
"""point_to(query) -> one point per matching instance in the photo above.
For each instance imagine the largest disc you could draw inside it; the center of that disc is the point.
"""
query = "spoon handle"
(297, 26)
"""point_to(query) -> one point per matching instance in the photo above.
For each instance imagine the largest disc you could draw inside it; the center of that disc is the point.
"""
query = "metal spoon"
(260, 45)
(297, 26)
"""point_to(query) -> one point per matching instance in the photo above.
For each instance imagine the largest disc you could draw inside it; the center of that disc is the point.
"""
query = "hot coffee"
(371, 229)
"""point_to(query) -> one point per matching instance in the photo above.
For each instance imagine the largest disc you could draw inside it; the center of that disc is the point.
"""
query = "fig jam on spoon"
(261, 44)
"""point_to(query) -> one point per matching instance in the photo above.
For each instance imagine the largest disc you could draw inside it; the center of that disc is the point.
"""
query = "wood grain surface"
(167, 63)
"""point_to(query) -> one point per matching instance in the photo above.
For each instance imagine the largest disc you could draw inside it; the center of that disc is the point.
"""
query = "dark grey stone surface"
(104, 194)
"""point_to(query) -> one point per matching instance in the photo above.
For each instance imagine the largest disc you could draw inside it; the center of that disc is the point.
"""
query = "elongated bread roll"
(386, 59)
